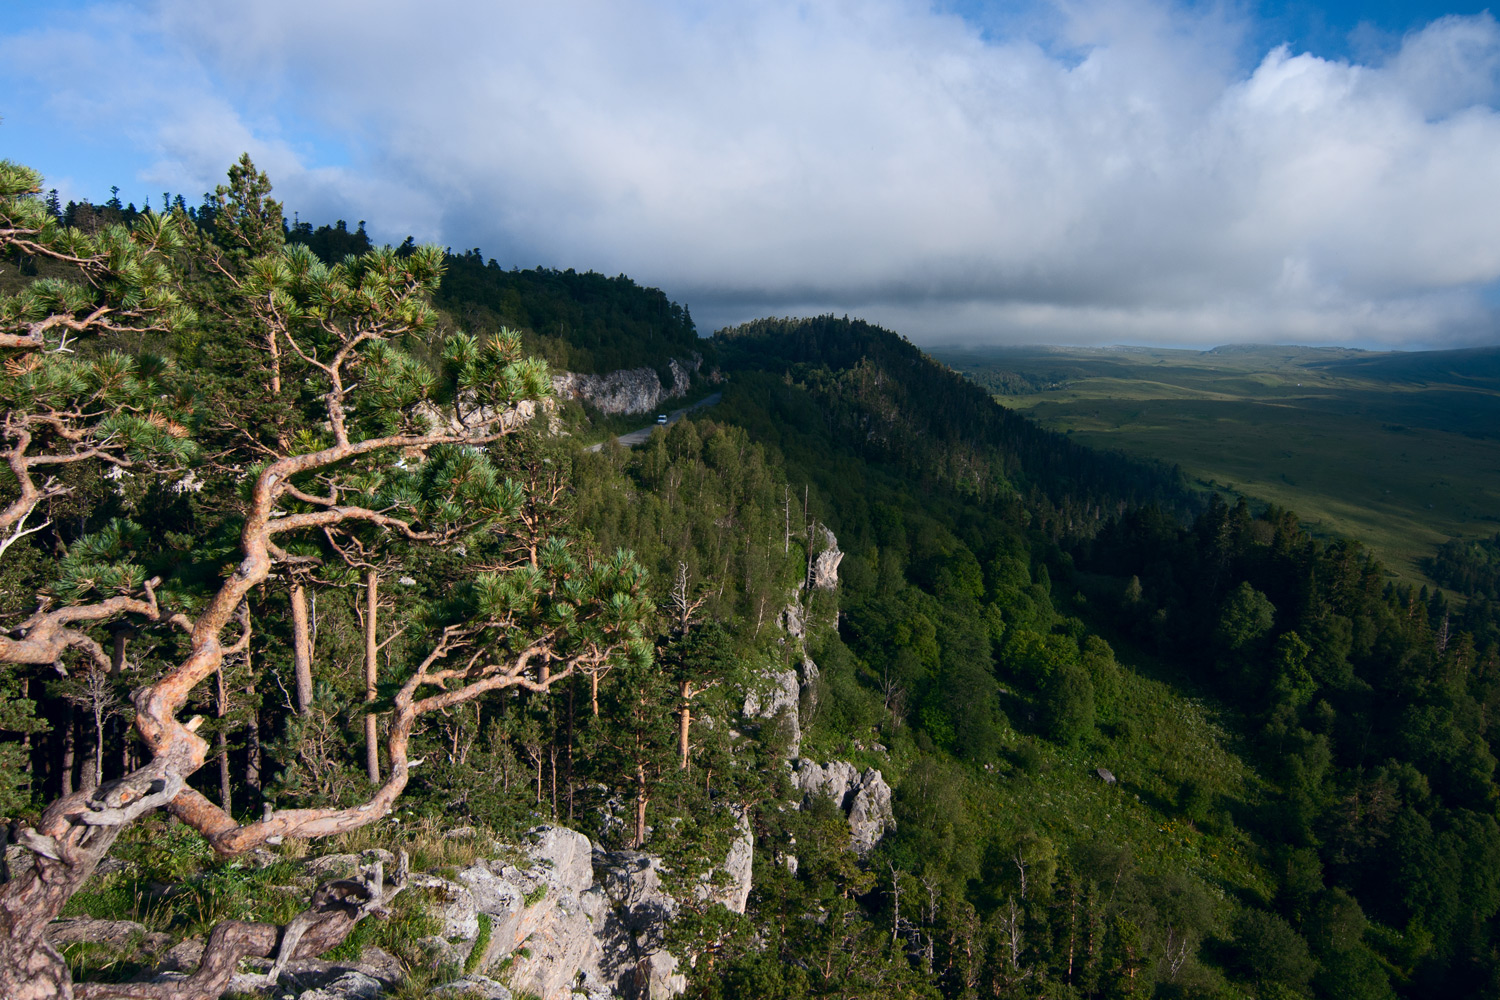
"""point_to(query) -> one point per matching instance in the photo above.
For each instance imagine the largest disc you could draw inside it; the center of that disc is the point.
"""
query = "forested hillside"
(581, 322)
(286, 558)
(873, 394)
(577, 321)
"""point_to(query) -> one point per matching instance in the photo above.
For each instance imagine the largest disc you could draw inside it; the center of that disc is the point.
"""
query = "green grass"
(99, 963)
(1169, 739)
(481, 944)
(206, 891)
(1398, 451)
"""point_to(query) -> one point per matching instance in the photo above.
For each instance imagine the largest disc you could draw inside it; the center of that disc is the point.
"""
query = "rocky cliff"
(863, 797)
(556, 918)
(632, 390)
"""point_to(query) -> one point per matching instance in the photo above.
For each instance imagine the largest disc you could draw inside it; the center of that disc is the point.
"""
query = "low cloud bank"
(1125, 175)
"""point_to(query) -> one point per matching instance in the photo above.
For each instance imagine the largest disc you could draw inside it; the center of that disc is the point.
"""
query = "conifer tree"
(387, 452)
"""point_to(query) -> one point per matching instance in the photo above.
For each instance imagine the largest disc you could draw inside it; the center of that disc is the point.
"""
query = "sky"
(960, 171)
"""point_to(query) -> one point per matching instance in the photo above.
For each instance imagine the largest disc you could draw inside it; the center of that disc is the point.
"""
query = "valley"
(1401, 451)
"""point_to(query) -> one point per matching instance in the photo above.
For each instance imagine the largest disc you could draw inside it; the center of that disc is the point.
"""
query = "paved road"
(643, 435)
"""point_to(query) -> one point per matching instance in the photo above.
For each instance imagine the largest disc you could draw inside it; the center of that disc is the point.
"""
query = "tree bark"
(67, 748)
(301, 649)
(684, 724)
(222, 740)
(116, 668)
(26, 739)
(641, 798)
(30, 968)
(252, 729)
(372, 735)
(98, 745)
(77, 830)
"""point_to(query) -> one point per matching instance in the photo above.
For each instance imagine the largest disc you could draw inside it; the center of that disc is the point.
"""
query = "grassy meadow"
(1398, 450)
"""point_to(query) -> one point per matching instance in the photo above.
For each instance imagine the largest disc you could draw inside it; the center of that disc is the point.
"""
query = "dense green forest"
(576, 321)
(1301, 797)
(1470, 567)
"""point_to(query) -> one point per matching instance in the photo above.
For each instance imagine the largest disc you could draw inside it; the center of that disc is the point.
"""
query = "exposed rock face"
(565, 920)
(634, 963)
(545, 914)
(303, 979)
(809, 689)
(470, 987)
(823, 574)
(522, 413)
(781, 695)
(864, 798)
(630, 390)
(349, 986)
(794, 625)
(730, 884)
(792, 620)
(451, 905)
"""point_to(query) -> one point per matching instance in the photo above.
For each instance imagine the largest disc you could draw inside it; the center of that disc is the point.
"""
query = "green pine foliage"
(1471, 567)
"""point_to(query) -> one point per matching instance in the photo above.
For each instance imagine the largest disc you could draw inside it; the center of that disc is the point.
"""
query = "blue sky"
(1071, 171)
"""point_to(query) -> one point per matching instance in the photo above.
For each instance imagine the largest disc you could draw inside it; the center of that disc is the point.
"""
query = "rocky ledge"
(555, 918)
(630, 390)
(864, 797)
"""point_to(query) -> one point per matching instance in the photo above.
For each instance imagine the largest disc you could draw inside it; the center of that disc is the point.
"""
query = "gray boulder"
(864, 798)
(823, 574)
(299, 977)
(569, 854)
(473, 988)
(730, 884)
(349, 986)
(780, 692)
(451, 904)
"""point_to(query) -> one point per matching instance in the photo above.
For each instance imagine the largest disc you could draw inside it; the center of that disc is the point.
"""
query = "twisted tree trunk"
(301, 649)
(372, 735)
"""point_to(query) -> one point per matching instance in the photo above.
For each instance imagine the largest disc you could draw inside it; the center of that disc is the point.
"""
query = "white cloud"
(1125, 178)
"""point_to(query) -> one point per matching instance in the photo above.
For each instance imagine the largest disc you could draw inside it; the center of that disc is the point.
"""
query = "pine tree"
(388, 454)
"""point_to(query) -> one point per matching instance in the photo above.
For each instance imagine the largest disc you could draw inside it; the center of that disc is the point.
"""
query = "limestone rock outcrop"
(630, 390)
(779, 694)
(565, 920)
(730, 883)
(864, 798)
(562, 915)
(823, 574)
